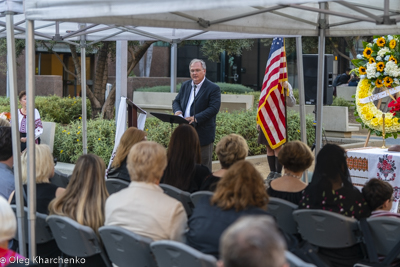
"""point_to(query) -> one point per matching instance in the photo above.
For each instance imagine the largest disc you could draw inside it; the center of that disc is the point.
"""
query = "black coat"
(208, 102)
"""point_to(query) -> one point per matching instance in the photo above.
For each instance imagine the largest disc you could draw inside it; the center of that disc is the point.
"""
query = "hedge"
(226, 88)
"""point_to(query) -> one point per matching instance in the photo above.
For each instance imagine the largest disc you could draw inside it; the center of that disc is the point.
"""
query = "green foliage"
(293, 126)
(212, 49)
(100, 140)
(341, 102)
(53, 108)
(296, 95)
(226, 88)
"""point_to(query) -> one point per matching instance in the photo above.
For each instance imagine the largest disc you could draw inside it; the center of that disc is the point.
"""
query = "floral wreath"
(378, 68)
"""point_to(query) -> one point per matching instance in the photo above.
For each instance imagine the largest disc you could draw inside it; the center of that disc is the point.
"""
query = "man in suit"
(201, 110)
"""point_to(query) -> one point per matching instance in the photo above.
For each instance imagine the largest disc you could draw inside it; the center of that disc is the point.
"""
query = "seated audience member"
(45, 192)
(252, 241)
(331, 189)
(295, 157)
(143, 208)
(184, 170)
(85, 197)
(240, 192)
(6, 163)
(230, 149)
(44, 169)
(8, 229)
(118, 167)
(379, 196)
(4, 123)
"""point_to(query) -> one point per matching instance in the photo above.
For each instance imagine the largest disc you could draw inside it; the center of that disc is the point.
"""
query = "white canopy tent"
(270, 17)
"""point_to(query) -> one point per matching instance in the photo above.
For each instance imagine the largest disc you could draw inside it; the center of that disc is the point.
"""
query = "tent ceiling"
(284, 17)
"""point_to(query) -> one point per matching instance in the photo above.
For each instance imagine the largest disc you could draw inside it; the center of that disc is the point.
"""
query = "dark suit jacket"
(208, 101)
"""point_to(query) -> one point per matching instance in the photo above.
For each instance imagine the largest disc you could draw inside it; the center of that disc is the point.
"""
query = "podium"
(133, 110)
(169, 118)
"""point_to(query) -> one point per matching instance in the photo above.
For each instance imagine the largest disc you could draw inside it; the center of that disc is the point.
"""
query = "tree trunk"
(100, 71)
(108, 107)
(96, 105)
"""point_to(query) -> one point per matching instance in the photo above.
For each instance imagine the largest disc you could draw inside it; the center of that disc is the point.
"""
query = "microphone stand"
(194, 123)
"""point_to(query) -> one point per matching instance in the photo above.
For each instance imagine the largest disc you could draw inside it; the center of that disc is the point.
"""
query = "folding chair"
(171, 253)
(295, 261)
(384, 232)
(327, 229)
(182, 196)
(115, 185)
(125, 247)
(76, 240)
(42, 230)
(282, 210)
(195, 197)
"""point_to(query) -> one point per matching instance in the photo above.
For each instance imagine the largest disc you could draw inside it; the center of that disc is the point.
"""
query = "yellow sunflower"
(392, 43)
(392, 58)
(381, 42)
(362, 70)
(387, 81)
(371, 60)
(379, 83)
(367, 52)
(380, 66)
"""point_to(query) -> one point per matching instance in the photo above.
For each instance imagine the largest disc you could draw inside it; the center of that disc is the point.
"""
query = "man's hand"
(178, 113)
(258, 127)
(23, 139)
(190, 119)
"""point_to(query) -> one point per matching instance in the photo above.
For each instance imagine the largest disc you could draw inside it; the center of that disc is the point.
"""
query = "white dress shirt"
(191, 98)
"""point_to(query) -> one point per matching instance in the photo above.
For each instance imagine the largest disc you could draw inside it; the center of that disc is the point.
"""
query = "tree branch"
(59, 59)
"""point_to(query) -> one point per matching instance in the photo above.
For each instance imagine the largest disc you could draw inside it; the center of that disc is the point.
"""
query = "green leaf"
(358, 120)
(358, 62)
(353, 96)
(365, 44)
(395, 135)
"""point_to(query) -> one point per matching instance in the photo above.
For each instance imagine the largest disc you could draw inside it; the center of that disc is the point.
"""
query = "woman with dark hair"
(118, 168)
(184, 170)
(240, 192)
(331, 190)
(22, 122)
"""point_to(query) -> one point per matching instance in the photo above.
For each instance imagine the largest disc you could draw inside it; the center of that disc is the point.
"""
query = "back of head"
(183, 154)
(376, 193)
(230, 149)
(240, 187)
(146, 162)
(85, 196)
(8, 223)
(5, 143)
(130, 137)
(4, 122)
(252, 241)
(331, 166)
(44, 164)
(295, 156)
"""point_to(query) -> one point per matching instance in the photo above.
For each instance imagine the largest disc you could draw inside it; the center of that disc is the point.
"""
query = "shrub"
(100, 140)
(53, 108)
(226, 88)
(339, 101)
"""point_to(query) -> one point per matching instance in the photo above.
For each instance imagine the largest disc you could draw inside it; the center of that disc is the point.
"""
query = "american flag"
(271, 115)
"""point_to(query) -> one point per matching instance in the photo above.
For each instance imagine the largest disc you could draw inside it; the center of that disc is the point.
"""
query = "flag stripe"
(271, 115)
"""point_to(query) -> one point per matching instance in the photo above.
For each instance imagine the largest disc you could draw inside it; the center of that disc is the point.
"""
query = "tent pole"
(12, 81)
(121, 75)
(83, 90)
(30, 111)
(302, 105)
(320, 81)
(174, 62)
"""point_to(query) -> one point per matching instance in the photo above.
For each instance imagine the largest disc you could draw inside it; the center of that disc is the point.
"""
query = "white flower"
(378, 58)
(362, 76)
(387, 58)
(359, 56)
(383, 51)
(371, 70)
(390, 38)
(375, 40)
(396, 81)
(377, 74)
(392, 69)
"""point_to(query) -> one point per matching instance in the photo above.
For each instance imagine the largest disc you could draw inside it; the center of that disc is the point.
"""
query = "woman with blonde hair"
(230, 149)
(240, 192)
(118, 167)
(85, 196)
(44, 170)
